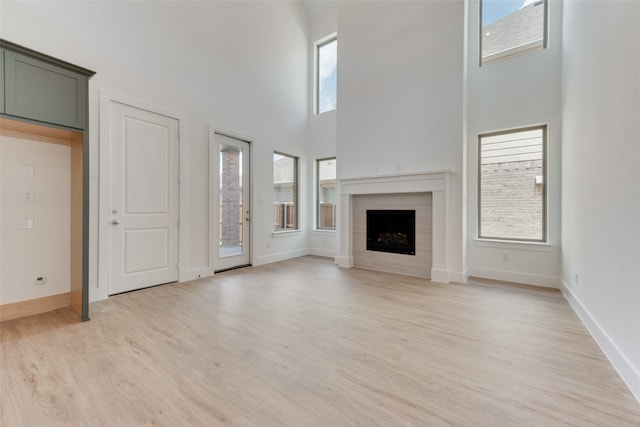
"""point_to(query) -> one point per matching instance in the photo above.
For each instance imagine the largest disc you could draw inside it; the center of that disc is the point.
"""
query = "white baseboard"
(510, 276)
(328, 253)
(458, 276)
(281, 256)
(344, 261)
(94, 294)
(630, 374)
(440, 276)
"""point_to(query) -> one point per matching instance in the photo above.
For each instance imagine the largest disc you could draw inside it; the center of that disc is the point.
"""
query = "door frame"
(103, 205)
(213, 181)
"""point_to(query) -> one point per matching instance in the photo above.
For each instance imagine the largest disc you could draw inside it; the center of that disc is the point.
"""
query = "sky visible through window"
(493, 10)
(327, 76)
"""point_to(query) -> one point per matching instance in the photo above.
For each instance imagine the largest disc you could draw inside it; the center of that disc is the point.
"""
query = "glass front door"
(233, 210)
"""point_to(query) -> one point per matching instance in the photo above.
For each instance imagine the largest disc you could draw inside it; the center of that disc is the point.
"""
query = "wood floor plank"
(302, 342)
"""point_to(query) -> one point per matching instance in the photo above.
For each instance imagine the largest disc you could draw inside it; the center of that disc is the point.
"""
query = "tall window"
(326, 74)
(285, 192)
(509, 27)
(326, 189)
(512, 188)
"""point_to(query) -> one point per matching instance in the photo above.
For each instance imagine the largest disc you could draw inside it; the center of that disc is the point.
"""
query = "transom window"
(511, 185)
(509, 27)
(326, 74)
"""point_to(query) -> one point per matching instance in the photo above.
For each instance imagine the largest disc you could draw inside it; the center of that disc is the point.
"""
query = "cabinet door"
(44, 92)
(1, 80)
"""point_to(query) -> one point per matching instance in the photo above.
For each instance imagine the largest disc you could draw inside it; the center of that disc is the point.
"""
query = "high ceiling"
(319, 8)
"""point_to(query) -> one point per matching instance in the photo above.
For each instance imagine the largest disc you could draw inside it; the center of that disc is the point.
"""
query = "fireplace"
(391, 231)
(348, 227)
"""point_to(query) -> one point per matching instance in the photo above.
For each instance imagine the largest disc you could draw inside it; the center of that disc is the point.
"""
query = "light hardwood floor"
(304, 343)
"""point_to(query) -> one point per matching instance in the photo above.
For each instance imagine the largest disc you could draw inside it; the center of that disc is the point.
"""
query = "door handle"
(115, 222)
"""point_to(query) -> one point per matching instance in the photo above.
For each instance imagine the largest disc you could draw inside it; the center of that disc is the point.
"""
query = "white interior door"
(144, 234)
(232, 214)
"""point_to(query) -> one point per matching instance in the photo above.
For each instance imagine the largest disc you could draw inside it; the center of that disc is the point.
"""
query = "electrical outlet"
(28, 195)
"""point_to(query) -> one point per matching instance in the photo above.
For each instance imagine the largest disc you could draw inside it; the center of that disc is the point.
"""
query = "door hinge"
(178, 177)
(178, 222)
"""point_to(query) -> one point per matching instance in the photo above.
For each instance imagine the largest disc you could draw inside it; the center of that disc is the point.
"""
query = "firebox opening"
(391, 231)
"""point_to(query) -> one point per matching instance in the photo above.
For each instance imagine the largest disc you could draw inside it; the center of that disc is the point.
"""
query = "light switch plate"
(27, 170)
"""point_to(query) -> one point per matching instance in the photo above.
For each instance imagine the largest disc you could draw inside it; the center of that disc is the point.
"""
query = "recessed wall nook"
(44, 184)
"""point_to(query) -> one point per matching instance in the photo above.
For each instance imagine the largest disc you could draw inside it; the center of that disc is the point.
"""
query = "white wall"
(322, 127)
(240, 65)
(601, 190)
(515, 92)
(35, 234)
(400, 90)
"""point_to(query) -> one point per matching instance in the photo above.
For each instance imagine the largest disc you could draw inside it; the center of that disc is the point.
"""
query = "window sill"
(514, 245)
(284, 233)
(323, 231)
(324, 113)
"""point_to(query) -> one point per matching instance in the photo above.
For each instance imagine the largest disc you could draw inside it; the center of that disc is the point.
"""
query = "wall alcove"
(44, 182)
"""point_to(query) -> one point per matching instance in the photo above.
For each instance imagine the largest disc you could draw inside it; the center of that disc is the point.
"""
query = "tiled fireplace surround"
(435, 183)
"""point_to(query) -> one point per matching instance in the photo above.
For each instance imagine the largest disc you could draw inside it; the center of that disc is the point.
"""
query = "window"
(326, 194)
(512, 188)
(326, 74)
(509, 27)
(285, 192)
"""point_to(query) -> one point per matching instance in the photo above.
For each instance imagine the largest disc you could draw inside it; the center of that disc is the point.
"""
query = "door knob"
(115, 222)
(115, 211)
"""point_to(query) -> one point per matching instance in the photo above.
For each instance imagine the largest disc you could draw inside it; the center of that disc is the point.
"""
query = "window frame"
(516, 50)
(316, 72)
(545, 237)
(317, 198)
(295, 192)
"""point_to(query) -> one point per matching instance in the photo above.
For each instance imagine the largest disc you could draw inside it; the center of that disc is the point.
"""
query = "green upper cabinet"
(42, 91)
(1, 81)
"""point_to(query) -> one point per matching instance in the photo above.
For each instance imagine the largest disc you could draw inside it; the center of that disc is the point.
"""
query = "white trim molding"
(434, 182)
(516, 277)
(281, 256)
(621, 363)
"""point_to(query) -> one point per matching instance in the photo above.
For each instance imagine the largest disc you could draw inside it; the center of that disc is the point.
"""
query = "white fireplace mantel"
(435, 182)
